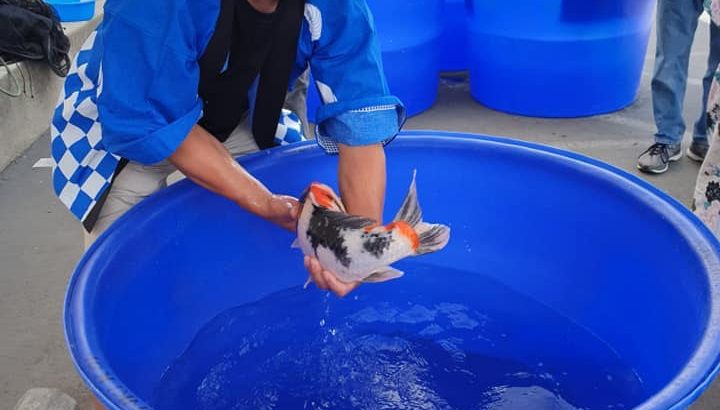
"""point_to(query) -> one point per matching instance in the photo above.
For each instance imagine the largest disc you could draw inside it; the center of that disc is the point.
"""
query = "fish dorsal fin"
(410, 211)
(345, 220)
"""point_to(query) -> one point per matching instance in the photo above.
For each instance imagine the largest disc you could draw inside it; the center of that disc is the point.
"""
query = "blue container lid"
(73, 10)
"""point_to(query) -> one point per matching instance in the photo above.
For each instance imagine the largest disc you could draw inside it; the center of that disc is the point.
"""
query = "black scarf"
(245, 44)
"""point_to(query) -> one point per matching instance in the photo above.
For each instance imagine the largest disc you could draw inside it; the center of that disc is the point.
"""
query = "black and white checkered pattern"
(83, 169)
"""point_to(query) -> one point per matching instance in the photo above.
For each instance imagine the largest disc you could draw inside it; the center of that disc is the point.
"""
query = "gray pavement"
(40, 243)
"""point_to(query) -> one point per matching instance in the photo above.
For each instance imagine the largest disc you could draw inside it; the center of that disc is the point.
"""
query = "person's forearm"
(362, 178)
(204, 160)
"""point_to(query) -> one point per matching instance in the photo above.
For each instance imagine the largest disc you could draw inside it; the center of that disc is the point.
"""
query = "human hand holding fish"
(326, 280)
(283, 210)
(343, 250)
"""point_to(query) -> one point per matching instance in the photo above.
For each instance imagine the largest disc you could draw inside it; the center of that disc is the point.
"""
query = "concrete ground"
(40, 243)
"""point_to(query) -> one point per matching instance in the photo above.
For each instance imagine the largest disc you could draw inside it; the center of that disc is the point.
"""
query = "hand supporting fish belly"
(356, 249)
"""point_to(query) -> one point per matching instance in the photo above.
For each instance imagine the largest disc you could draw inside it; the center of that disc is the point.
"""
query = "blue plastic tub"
(73, 10)
(558, 58)
(454, 41)
(614, 255)
(409, 34)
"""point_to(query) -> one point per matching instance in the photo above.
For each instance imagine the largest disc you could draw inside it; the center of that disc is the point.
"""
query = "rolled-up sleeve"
(149, 99)
(346, 63)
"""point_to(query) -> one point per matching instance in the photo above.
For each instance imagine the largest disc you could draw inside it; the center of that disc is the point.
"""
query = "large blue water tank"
(608, 251)
(454, 41)
(558, 58)
(409, 34)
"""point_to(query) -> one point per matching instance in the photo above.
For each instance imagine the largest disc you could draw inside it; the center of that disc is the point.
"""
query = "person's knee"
(133, 184)
(113, 209)
(89, 238)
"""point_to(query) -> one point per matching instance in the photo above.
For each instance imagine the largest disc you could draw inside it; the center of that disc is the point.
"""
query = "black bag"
(30, 30)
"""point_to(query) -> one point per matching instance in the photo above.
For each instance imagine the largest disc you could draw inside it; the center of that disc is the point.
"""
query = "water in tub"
(437, 339)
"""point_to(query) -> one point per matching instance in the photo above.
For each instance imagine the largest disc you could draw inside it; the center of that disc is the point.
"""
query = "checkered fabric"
(289, 129)
(82, 168)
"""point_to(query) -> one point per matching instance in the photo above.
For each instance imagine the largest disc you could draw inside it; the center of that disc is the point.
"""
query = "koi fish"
(357, 248)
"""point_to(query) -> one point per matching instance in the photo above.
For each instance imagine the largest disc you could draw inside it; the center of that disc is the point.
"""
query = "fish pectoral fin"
(295, 244)
(383, 275)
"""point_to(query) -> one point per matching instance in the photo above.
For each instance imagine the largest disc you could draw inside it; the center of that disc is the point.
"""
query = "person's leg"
(241, 141)
(134, 183)
(700, 131)
(676, 24)
(296, 101)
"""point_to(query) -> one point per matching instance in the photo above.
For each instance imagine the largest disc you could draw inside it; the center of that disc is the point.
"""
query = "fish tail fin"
(431, 237)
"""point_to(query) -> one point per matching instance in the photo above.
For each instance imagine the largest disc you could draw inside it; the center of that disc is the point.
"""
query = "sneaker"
(698, 149)
(657, 158)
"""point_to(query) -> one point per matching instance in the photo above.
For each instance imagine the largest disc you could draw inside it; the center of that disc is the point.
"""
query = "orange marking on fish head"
(322, 196)
(405, 230)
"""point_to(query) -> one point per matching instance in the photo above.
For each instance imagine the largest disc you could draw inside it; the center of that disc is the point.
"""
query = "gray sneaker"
(657, 158)
(698, 149)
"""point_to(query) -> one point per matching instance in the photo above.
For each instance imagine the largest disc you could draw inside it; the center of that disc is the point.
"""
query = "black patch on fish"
(377, 243)
(326, 228)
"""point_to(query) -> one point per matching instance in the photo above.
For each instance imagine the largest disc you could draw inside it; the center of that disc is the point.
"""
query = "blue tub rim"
(678, 394)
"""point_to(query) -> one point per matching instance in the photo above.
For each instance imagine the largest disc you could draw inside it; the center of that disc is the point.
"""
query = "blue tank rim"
(679, 393)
